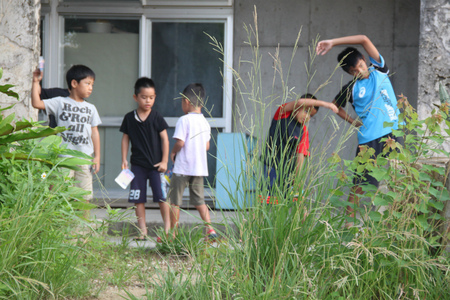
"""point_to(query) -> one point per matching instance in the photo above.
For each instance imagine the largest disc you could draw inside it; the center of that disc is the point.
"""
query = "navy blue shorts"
(378, 146)
(138, 187)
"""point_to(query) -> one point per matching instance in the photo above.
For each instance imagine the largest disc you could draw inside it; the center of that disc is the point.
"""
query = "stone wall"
(19, 51)
(434, 53)
(434, 68)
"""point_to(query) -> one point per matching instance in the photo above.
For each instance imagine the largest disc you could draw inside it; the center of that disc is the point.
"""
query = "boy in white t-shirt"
(192, 135)
(80, 117)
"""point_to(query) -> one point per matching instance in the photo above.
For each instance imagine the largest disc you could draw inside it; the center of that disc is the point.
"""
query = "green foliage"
(415, 193)
(5, 88)
(38, 210)
(443, 95)
(48, 151)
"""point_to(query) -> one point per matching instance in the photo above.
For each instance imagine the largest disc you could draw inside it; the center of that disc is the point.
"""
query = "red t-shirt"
(294, 128)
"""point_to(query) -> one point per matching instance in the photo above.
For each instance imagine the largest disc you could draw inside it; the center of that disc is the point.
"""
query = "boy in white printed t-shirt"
(192, 135)
(79, 117)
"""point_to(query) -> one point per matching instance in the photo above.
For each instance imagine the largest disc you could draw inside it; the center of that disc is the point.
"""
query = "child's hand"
(172, 156)
(96, 165)
(37, 75)
(323, 47)
(162, 167)
(357, 123)
(334, 108)
(124, 164)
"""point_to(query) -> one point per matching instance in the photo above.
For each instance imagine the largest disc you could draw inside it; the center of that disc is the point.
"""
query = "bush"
(38, 209)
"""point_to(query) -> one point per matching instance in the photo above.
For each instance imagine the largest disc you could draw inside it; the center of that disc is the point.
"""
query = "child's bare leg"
(204, 214)
(354, 199)
(174, 218)
(164, 207)
(140, 214)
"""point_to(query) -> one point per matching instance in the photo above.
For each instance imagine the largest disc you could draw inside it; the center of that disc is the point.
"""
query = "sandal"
(140, 238)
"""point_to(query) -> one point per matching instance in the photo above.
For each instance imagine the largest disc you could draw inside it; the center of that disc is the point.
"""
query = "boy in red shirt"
(288, 139)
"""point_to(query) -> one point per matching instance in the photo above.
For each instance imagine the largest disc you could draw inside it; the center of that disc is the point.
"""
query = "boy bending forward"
(288, 139)
(372, 96)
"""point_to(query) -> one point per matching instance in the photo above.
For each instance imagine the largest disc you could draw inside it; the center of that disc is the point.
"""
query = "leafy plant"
(5, 88)
(38, 210)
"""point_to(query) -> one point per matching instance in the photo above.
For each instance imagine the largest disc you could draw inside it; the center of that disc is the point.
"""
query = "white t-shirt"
(78, 118)
(195, 131)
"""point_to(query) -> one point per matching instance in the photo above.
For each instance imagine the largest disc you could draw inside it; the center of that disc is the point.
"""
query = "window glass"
(182, 54)
(111, 49)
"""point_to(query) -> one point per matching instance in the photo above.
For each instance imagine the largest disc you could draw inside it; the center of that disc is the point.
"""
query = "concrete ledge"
(118, 198)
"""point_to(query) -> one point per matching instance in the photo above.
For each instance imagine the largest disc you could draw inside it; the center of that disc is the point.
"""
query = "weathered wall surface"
(392, 25)
(434, 53)
(19, 51)
(434, 68)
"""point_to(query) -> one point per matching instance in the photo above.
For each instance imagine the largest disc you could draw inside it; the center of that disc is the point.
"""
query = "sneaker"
(211, 235)
(159, 240)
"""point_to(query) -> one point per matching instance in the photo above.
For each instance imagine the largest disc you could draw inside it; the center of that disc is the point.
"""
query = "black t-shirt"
(286, 138)
(52, 93)
(144, 138)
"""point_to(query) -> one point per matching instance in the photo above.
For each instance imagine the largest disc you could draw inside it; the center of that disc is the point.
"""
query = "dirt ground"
(113, 293)
(135, 286)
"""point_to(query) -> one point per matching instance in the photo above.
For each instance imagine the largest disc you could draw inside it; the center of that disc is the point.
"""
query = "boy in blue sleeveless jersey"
(372, 96)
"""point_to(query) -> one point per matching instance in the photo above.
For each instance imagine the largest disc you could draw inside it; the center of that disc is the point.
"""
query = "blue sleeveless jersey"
(374, 102)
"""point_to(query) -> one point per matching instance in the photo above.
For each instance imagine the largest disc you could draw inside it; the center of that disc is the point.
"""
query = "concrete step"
(118, 198)
(126, 223)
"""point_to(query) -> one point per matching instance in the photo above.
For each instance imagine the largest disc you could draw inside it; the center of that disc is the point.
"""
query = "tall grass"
(300, 249)
(38, 214)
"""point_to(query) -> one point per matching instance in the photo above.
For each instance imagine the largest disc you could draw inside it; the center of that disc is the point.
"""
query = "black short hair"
(349, 58)
(143, 82)
(195, 93)
(78, 73)
(310, 96)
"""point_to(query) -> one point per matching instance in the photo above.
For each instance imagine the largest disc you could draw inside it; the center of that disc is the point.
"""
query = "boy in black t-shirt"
(146, 129)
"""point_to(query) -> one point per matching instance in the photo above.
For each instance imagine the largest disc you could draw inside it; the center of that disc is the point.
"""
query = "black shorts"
(138, 187)
(378, 146)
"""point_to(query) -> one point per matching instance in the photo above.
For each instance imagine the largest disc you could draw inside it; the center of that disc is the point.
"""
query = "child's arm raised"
(324, 46)
(124, 149)
(162, 166)
(176, 148)
(293, 105)
(36, 101)
(96, 142)
(343, 114)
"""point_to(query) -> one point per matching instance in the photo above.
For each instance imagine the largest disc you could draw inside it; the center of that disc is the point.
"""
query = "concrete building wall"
(19, 51)
(392, 25)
